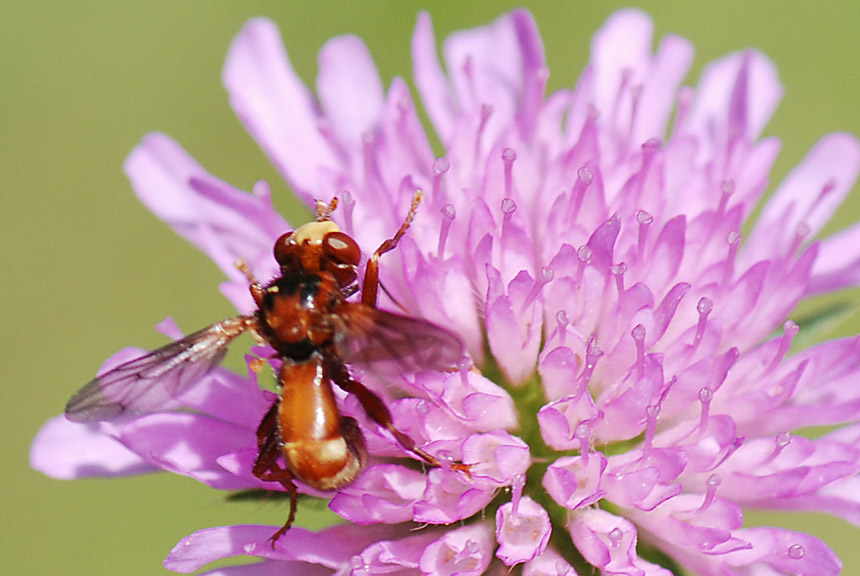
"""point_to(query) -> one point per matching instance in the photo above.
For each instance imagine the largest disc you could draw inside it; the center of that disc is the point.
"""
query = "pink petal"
(349, 89)
(522, 535)
(188, 444)
(381, 494)
(223, 222)
(276, 107)
(808, 196)
(609, 542)
(65, 450)
(500, 65)
(838, 264)
(496, 457)
(430, 79)
(711, 117)
(786, 552)
(574, 481)
(332, 547)
(464, 551)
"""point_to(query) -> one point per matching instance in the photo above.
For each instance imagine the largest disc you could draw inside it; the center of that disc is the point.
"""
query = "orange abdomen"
(322, 449)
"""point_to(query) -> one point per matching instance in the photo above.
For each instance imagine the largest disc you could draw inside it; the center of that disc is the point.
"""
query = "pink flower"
(634, 389)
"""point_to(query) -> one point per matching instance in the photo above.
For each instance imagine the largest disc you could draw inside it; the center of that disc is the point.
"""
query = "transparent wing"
(371, 336)
(150, 381)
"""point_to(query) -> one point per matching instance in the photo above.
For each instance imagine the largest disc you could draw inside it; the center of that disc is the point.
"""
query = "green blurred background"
(87, 269)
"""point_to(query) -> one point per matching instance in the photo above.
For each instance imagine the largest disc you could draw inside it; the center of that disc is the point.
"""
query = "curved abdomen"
(322, 448)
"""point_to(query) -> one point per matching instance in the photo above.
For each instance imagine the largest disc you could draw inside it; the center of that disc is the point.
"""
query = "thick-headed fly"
(305, 317)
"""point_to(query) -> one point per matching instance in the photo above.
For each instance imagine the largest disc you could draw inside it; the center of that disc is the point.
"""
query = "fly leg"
(376, 409)
(370, 287)
(267, 468)
(256, 288)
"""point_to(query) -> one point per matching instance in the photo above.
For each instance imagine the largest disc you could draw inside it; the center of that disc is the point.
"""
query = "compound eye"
(284, 249)
(341, 248)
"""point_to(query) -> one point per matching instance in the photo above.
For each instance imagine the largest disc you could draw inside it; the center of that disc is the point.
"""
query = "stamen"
(704, 307)
(645, 220)
(592, 355)
(486, 112)
(615, 537)
(348, 203)
(508, 157)
(734, 242)
(508, 209)
(705, 397)
(469, 550)
(616, 105)
(635, 97)
(781, 442)
(583, 180)
(546, 276)
(517, 485)
(368, 143)
(711, 485)
(728, 188)
(618, 271)
(828, 187)
(638, 334)
(685, 102)
(448, 215)
(789, 331)
(561, 330)
(583, 435)
(649, 152)
(651, 414)
(440, 168)
(583, 257)
(800, 233)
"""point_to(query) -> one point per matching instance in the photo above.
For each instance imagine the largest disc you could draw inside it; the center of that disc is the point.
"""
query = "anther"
(615, 537)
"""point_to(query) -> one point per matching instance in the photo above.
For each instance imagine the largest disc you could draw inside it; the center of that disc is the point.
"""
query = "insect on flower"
(305, 317)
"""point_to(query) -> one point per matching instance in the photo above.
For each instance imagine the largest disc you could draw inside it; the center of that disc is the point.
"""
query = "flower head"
(632, 388)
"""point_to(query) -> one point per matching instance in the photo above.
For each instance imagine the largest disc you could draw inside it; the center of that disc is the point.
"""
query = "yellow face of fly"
(314, 232)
